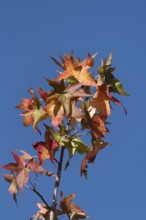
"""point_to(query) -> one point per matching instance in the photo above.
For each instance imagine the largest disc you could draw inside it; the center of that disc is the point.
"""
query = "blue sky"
(29, 31)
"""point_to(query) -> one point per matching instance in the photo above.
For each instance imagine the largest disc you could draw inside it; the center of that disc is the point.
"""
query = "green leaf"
(71, 80)
(109, 61)
(59, 87)
(80, 146)
(53, 133)
(118, 88)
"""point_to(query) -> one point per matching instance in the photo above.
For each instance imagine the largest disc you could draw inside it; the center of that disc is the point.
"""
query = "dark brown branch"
(40, 196)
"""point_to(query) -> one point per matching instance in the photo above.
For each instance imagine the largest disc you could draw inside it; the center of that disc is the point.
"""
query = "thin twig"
(39, 195)
(42, 198)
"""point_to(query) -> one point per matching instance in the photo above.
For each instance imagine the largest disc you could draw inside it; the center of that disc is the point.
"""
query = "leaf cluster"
(79, 103)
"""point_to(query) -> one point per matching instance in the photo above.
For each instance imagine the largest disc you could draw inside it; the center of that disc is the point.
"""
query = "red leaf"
(45, 149)
(43, 94)
(23, 177)
(118, 103)
(98, 126)
(20, 161)
(12, 167)
(91, 155)
(43, 153)
(35, 167)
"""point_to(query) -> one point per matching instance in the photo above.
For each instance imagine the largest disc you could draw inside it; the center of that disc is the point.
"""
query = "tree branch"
(56, 186)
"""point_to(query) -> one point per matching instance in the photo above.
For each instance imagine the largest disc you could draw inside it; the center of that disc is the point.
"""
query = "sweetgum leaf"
(52, 106)
(13, 189)
(74, 145)
(43, 94)
(23, 177)
(57, 62)
(109, 61)
(91, 154)
(43, 153)
(43, 212)
(72, 92)
(12, 167)
(33, 111)
(22, 168)
(25, 155)
(79, 146)
(59, 87)
(116, 101)
(101, 101)
(71, 80)
(118, 88)
(72, 68)
(55, 136)
(98, 127)
(69, 207)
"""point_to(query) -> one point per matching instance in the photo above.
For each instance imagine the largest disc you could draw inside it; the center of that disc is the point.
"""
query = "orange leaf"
(98, 126)
(101, 101)
(68, 207)
(78, 70)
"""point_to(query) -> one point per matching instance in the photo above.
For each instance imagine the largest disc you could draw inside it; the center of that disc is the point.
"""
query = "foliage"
(79, 103)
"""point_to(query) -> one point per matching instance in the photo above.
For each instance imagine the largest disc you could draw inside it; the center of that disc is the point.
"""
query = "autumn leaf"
(45, 149)
(25, 155)
(72, 92)
(101, 101)
(116, 101)
(52, 106)
(33, 111)
(43, 153)
(106, 66)
(106, 72)
(98, 127)
(94, 122)
(13, 189)
(70, 209)
(22, 169)
(79, 70)
(74, 145)
(43, 94)
(43, 213)
(117, 87)
(61, 102)
(91, 154)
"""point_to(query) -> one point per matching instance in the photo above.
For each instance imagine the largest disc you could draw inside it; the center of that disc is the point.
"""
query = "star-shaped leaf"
(33, 111)
(79, 70)
(22, 168)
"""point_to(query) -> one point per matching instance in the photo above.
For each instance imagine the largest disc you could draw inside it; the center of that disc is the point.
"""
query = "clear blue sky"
(29, 31)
